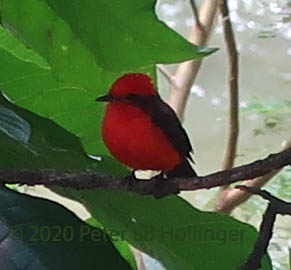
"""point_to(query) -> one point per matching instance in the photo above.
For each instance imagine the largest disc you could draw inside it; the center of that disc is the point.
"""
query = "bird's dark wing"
(165, 118)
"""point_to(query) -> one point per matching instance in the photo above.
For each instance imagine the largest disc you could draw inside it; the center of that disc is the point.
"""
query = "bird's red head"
(133, 83)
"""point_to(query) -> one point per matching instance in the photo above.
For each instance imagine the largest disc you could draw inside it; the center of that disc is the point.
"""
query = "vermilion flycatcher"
(142, 131)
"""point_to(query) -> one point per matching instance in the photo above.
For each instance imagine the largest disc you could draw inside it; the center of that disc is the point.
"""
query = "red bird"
(142, 131)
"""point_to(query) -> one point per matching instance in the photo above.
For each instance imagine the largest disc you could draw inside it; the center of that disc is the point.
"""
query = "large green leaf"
(46, 33)
(121, 36)
(32, 85)
(171, 230)
(109, 30)
(30, 141)
(36, 234)
(124, 249)
(9, 43)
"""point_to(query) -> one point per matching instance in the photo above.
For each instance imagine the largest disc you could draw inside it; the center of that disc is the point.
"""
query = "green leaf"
(9, 43)
(120, 36)
(38, 234)
(109, 30)
(43, 143)
(122, 246)
(14, 126)
(171, 230)
(35, 88)
(36, 24)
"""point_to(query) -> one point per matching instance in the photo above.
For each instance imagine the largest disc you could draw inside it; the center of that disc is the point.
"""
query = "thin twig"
(233, 115)
(261, 245)
(195, 12)
(156, 186)
(166, 73)
(232, 56)
(276, 206)
(281, 207)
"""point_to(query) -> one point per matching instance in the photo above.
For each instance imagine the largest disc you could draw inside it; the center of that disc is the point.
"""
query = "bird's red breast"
(131, 136)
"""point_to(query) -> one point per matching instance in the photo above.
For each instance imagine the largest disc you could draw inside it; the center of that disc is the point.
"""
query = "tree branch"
(232, 55)
(166, 73)
(156, 186)
(261, 245)
(233, 118)
(281, 207)
(196, 14)
(276, 206)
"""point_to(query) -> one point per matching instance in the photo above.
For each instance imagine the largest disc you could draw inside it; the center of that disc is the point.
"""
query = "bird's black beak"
(106, 98)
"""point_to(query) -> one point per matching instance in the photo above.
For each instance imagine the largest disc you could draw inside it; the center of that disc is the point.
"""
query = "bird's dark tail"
(184, 169)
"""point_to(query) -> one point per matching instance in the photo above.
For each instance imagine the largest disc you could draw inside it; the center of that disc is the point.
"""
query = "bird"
(142, 131)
